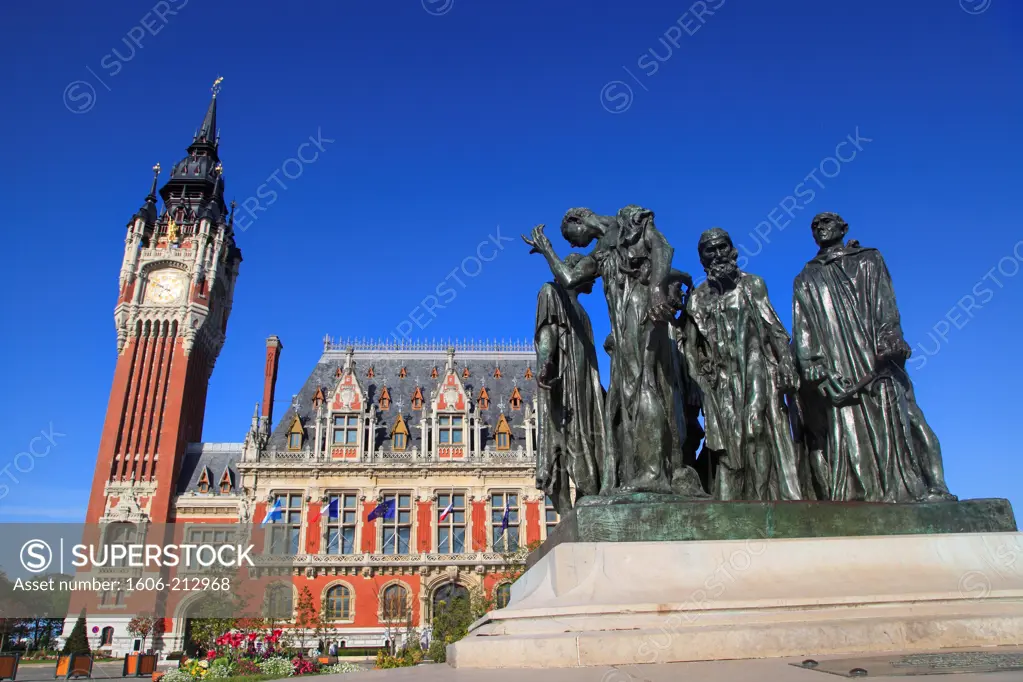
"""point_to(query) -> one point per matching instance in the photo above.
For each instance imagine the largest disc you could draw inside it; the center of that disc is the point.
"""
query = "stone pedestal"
(614, 603)
(647, 517)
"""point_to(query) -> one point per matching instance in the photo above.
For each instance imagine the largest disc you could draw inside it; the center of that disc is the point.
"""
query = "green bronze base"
(648, 517)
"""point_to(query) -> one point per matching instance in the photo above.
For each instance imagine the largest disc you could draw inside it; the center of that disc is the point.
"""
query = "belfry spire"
(207, 133)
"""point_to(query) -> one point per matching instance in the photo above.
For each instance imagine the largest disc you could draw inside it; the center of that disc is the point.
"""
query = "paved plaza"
(762, 670)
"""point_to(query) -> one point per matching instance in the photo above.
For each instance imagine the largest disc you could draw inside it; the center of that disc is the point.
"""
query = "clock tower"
(175, 292)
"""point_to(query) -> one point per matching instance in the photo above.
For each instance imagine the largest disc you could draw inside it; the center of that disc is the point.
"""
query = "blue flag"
(384, 510)
(274, 513)
(334, 509)
(504, 519)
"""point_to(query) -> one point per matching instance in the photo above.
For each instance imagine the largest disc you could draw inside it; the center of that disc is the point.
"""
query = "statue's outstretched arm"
(568, 276)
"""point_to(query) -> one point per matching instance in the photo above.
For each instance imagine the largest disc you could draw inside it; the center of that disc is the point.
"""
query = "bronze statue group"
(828, 414)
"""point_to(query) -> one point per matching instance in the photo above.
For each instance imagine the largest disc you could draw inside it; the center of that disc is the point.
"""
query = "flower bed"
(251, 657)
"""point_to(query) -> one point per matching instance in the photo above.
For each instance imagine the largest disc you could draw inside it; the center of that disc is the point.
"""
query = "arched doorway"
(446, 595)
(192, 611)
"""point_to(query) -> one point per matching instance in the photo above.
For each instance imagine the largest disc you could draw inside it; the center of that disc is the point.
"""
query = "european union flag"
(385, 510)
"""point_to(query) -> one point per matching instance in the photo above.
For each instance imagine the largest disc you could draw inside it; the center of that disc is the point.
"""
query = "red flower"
(211, 654)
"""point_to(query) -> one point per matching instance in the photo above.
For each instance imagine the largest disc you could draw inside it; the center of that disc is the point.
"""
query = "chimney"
(273, 358)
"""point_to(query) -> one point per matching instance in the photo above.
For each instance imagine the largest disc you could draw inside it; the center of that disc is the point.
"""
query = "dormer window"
(226, 482)
(503, 434)
(370, 373)
(529, 373)
(402, 373)
(295, 434)
(516, 399)
(497, 373)
(484, 399)
(399, 435)
(417, 399)
(465, 373)
(204, 481)
(433, 374)
(318, 398)
(338, 373)
(385, 399)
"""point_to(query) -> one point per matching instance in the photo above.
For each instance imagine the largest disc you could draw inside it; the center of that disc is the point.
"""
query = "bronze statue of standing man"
(859, 402)
(738, 352)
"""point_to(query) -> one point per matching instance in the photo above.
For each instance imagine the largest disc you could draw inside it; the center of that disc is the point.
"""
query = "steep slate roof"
(419, 364)
(215, 456)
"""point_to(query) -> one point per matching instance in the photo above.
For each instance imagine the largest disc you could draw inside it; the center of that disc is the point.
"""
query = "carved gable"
(451, 394)
(348, 395)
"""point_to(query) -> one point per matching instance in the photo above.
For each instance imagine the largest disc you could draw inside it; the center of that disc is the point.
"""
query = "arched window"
(106, 638)
(394, 604)
(339, 603)
(279, 601)
(502, 595)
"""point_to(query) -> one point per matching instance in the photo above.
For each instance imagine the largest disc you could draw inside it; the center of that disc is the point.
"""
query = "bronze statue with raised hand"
(645, 427)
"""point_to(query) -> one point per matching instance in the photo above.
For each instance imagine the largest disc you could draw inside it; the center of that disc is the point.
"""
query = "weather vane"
(216, 86)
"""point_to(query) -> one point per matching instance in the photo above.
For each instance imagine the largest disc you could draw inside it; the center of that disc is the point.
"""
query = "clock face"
(165, 286)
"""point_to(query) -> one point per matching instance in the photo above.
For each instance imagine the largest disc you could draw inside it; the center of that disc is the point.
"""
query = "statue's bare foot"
(686, 482)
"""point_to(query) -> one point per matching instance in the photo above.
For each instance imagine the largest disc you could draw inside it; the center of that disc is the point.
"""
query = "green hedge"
(358, 651)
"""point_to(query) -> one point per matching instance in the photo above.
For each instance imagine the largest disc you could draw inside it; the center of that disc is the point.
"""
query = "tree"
(306, 615)
(77, 642)
(143, 625)
(324, 627)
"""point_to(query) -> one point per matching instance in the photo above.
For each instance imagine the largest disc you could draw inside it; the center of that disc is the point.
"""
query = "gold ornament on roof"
(172, 231)
(216, 86)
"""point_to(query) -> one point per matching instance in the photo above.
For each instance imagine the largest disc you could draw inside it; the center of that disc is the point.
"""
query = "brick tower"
(176, 289)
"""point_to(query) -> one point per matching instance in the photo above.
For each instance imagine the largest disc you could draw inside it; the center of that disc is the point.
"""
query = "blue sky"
(449, 120)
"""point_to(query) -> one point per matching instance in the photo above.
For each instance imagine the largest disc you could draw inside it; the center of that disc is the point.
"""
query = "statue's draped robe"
(571, 414)
(644, 407)
(735, 363)
(879, 448)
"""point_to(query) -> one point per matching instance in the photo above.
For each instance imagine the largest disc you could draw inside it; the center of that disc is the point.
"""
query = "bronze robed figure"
(572, 444)
(739, 355)
(829, 415)
(644, 420)
(859, 406)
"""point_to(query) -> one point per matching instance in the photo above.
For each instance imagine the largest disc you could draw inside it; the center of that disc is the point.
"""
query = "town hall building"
(440, 436)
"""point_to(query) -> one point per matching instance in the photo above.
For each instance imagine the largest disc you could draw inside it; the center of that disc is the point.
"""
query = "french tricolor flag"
(447, 510)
